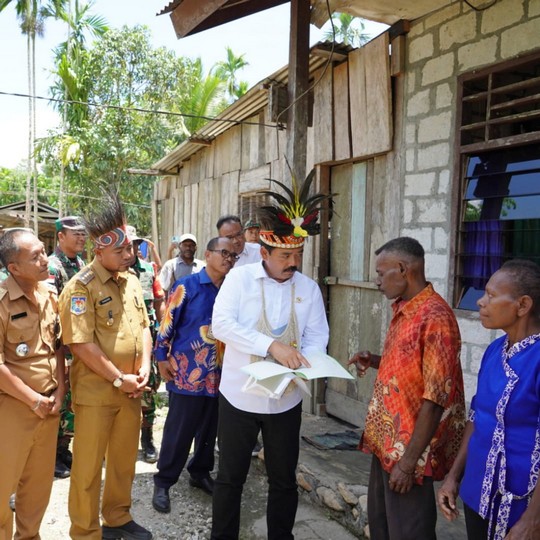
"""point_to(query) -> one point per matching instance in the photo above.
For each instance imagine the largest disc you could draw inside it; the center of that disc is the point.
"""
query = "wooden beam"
(191, 13)
(151, 172)
(297, 121)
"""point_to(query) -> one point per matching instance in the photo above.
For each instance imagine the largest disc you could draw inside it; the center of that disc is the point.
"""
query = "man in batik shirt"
(189, 359)
(416, 416)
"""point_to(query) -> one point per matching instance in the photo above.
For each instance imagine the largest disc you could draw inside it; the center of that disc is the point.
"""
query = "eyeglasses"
(226, 254)
(234, 236)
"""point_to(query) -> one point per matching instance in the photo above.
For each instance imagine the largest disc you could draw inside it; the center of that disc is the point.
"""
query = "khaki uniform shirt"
(96, 308)
(23, 322)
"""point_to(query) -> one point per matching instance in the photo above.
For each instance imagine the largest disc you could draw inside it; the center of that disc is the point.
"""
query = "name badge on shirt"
(78, 305)
(18, 316)
(105, 301)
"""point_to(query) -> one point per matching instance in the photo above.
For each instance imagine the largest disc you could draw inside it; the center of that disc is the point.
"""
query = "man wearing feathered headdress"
(267, 310)
(107, 329)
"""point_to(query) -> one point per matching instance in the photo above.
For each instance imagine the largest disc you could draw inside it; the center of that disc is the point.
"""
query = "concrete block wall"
(441, 46)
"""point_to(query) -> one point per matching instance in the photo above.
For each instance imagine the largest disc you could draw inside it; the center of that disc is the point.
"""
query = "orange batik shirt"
(420, 361)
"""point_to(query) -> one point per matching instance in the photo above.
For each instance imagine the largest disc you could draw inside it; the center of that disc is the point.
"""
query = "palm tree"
(72, 84)
(205, 98)
(31, 15)
(227, 69)
(346, 32)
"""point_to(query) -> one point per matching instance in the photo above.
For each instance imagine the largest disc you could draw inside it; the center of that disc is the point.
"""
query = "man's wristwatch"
(117, 383)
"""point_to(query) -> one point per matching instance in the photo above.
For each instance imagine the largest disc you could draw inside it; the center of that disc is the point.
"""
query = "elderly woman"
(499, 459)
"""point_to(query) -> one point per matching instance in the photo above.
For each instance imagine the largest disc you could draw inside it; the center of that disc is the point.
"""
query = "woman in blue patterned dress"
(499, 459)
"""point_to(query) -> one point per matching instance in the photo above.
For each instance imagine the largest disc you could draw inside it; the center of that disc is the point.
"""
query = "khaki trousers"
(27, 456)
(110, 432)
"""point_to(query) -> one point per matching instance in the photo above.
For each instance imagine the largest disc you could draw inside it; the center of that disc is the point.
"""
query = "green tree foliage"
(122, 74)
(227, 71)
(349, 30)
(13, 186)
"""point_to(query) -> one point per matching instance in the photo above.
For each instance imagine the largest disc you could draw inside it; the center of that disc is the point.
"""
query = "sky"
(263, 38)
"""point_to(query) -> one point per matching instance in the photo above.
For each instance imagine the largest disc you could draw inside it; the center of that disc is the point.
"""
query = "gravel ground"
(190, 518)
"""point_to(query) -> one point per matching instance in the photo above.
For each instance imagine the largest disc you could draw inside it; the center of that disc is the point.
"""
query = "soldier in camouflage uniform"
(63, 265)
(154, 299)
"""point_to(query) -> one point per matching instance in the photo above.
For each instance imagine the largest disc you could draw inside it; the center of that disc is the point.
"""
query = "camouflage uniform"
(152, 291)
(61, 270)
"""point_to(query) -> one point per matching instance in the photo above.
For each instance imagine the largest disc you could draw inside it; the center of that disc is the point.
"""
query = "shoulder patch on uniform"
(78, 305)
(85, 276)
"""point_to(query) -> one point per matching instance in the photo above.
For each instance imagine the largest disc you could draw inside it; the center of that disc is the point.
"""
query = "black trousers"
(189, 417)
(396, 516)
(477, 526)
(237, 434)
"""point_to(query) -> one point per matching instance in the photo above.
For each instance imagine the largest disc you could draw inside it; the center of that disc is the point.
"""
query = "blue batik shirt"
(185, 339)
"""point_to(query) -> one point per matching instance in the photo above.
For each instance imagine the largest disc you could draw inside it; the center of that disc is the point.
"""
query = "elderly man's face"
(30, 262)
(281, 263)
(390, 280)
(233, 231)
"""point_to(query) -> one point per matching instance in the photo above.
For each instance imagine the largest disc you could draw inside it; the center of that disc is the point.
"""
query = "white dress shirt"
(236, 312)
(251, 254)
(176, 268)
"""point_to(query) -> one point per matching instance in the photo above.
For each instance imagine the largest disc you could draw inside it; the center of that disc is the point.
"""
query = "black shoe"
(129, 531)
(206, 484)
(147, 444)
(61, 470)
(161, 500)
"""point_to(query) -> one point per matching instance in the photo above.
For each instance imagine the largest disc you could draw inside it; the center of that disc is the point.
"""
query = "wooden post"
(297, 118)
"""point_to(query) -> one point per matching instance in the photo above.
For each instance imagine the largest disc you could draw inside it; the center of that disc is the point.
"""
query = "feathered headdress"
(295, 216)
(109, 227)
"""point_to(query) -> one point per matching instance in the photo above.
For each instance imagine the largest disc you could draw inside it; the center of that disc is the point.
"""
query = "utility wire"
(140, 109)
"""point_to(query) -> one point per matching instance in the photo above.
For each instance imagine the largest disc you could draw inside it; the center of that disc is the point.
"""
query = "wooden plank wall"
(349, 97)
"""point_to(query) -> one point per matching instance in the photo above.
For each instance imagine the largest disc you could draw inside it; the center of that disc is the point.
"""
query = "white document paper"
(271, 379)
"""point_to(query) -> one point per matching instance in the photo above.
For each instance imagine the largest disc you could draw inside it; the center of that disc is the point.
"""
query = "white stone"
(444, 182)
(473, 332)
(436, 155)
(469, 385)
(362, 502)
(440, 239)
(418, 103)
(436, 266)
(348, 496)
(408, 208)
(475, 356)
(411, 82)
(443, 15)
(534, 8)
(417, 29)
(410, 133)
(423, 235)
(501, 15)
(410, 159)
(477, 54)
(304, 482)
(444, 96)
(520, 39)
(420, 48)
(458, 30)
(419, 184)
(330, 498)
(432, 211)
(438, 69)
(435, 128)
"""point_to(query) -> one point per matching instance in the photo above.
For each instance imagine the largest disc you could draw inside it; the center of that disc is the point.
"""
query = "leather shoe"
(128, 531)
(61, 470)
(161, 500)
(206, 484)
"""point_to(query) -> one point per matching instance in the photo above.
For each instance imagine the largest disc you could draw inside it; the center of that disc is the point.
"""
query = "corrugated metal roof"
(253, 101)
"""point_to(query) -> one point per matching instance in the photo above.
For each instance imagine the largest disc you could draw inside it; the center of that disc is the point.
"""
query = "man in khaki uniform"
(107, 330)
(31, 383)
